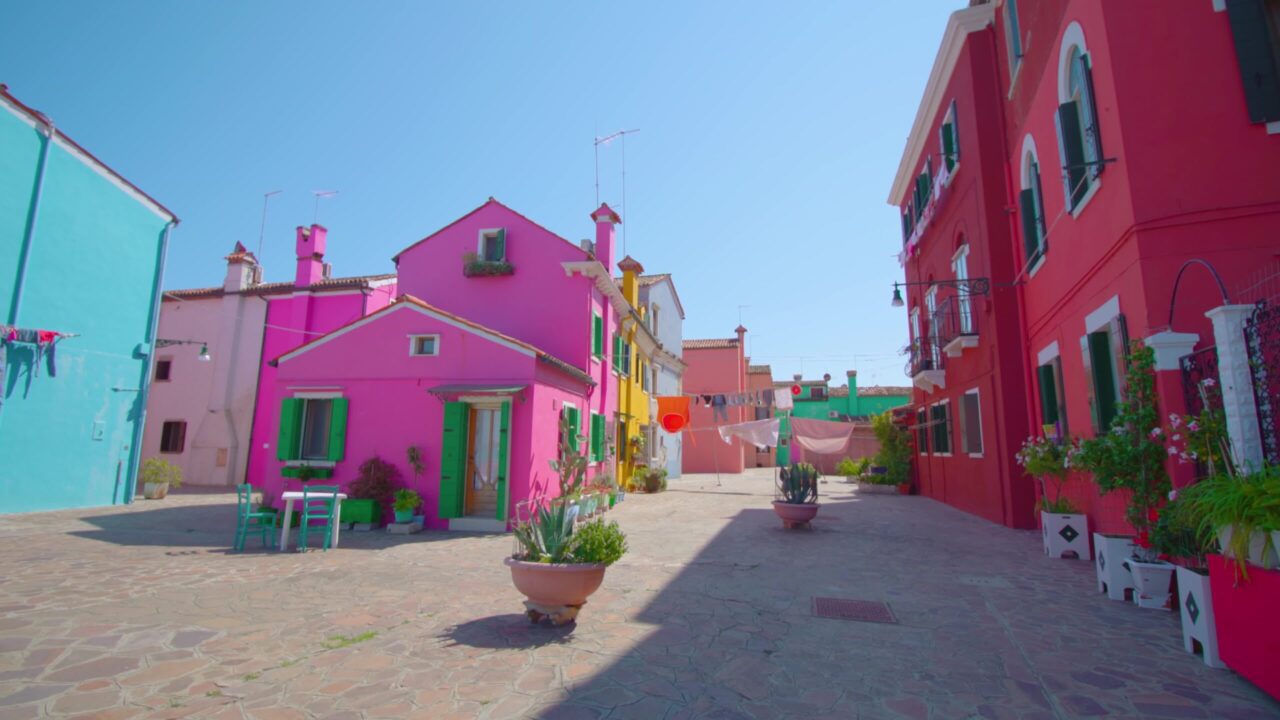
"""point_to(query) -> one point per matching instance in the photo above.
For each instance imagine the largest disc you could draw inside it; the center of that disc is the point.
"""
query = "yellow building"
(634, 367)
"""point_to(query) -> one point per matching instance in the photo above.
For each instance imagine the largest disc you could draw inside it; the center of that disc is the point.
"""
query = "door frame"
(485, 402)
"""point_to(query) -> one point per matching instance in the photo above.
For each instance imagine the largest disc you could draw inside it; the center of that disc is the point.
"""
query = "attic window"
(424, 345)
(493, 245)
(490, 257)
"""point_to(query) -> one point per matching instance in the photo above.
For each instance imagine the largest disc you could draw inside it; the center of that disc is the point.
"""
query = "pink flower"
(1173, 451)
(1209, 382)
(1175, 421)
(1193, 426)
(1176, 437)
(1156, 432)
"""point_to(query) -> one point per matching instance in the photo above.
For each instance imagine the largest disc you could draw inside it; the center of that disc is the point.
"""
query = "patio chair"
(317, 508)
(247, 520)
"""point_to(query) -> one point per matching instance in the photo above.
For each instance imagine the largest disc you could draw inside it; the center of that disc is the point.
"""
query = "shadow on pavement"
(507, 632)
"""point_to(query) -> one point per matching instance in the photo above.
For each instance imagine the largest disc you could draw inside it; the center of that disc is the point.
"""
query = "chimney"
(605, 218)
(242, 270)
(631, 269)
(310, 250)
(853, 391)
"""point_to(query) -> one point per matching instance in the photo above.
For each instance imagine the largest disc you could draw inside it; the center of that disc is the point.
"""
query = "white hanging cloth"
(761, 433)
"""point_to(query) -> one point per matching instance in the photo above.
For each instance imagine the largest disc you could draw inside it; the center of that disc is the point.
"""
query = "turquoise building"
(81, 258)
(820, 401)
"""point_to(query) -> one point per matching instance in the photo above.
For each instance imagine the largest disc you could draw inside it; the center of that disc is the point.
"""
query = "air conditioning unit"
(833, 414)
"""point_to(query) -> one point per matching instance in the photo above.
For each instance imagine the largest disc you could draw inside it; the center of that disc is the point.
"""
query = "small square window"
(493, 245)
(173, 436)
(424, 345)
(163, 368)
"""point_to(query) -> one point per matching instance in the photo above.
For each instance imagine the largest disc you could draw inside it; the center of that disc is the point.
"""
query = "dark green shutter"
(1104, 383)
(289, 438)
(1042, 231)
(1093, 133)
(949, 145)
(1256, 55)
(617, 353)
(504, 452)
(453, 459)
(906, 228)
(1071, 150)
(597, 335)
(1048, 395)
(1119, 332)
(337, 430)
(597, 437)
(1030, 239)
(500, 244)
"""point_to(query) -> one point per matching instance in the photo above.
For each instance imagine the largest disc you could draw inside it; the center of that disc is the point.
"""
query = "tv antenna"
(262, 230)
(320, 194)
(605, 141)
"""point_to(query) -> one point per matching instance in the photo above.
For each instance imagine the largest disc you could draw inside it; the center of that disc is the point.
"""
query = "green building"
(820, 401)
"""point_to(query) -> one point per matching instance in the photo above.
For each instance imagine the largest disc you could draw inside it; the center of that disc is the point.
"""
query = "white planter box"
(1151, 582)
(1065, 535)
(1196, 600)
(1259, 554)
(877, 489)
(1110, 552)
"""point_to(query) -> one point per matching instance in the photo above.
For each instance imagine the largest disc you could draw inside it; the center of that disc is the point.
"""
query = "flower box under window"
(487, 268)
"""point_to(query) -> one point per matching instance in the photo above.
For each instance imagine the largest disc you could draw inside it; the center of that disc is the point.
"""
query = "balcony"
(925, 364)
(955, 325)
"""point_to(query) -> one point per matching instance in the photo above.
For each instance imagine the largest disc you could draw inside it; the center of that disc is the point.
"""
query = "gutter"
(148, 367)
(33, 217)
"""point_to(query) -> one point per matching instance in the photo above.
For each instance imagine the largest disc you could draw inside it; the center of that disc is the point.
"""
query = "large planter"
(155, 491)
(359, 510)
(1244, 612)
(555, 590)
(795, 515)
(1152, 584)
(874, 489)
(1065, 535)
(1261, 553)
(1110, 552)
(1195, 596)
(402, 516)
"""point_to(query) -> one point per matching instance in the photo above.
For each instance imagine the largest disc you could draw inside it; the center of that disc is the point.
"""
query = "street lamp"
(964, 288)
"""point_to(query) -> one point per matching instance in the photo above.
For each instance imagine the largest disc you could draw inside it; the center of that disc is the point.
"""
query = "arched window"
(1079, 138)
(1031, 204)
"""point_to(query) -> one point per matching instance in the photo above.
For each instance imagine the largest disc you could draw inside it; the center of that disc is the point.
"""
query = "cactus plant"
(799, 484)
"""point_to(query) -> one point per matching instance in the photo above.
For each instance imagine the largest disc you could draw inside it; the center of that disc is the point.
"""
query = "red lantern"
(673, 422)
(795, 389)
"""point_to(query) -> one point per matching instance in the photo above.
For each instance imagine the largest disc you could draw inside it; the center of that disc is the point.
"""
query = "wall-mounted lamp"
(974, 286)
(204, 347)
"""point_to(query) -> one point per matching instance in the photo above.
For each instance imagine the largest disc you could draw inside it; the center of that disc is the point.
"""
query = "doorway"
(483, 461)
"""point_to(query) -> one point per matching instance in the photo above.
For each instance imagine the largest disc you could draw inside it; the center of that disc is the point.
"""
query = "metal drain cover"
(860, 610)
(985, 581)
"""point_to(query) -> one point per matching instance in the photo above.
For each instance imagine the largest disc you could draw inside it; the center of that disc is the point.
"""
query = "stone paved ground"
(142, 612)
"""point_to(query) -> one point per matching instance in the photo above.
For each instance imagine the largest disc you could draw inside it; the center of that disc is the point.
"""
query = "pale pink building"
(715, 366)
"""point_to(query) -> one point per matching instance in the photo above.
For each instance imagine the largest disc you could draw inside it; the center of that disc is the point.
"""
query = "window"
(1079, 139)
(493, 245)
(970, 423)
(597, 437)
(960, 265)
(163, 368)
(940, 419)
(949, 140)
(644, 377)
(173, 436)
(621, 355)
(1015, 35)
(1104, 352)
(597, 336)
(315, 429)
(653, 317)
(428, 345)
(1031, 205)
(931, 305)
(571, 413)
(1255, 28)
(312, 429)
(1053, 408)
(922, 431)
(817, 392)
(908, 225)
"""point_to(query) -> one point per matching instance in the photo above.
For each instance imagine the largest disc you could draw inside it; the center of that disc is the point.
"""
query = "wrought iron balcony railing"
(922, 355)
(954, 320)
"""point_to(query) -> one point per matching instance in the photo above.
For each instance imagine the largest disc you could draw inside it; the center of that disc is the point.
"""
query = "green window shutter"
(338, 430)
(617, 353)
(1043, 232)
(1071, 151)
(906, 227)
(501, 244)
(597, 436)
(575, 427)
(290, 435)
(949, 145)
(597, 335)
(1104, 382)
(1092, 132)
(453, 459)
(1090, 394)
(1048, 395)
(1030, 238)
(504, 453)
(1256, 55)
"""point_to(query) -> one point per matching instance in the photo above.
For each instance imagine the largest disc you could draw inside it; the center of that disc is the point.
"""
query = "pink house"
(501, 329)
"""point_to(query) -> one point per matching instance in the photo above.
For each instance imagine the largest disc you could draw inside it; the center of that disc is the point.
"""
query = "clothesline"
(46, 342)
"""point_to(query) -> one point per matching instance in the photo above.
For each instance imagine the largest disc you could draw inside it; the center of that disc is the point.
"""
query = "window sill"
(1094, 184)
(310, 463)
(975, 456)
(1036, 264)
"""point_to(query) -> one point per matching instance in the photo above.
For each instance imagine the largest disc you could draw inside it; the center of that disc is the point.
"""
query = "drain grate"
(860, 610)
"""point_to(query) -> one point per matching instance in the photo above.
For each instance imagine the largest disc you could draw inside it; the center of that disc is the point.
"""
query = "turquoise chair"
(247, 520)
(317, 508)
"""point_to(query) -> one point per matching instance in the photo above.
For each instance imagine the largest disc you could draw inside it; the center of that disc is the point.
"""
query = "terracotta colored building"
(759, 377)
(714, 366)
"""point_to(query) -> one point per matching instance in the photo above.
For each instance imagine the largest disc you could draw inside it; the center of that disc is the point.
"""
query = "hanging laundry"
(766, 397)
(706, 400)
(820, 436)
(719, 412)
(761, 433)
(782, 400)
(673, 413)
(50, 338)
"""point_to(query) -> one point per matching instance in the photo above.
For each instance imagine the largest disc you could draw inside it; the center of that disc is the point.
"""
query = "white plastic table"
(292, 495)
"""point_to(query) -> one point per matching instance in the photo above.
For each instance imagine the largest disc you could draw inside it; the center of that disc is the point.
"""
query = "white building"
(665, 316)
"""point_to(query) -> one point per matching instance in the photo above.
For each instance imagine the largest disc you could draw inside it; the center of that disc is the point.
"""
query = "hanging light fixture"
(897, 297)
(204, 353)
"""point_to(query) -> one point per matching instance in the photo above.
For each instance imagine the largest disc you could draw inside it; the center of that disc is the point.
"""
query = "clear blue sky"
(769, 135)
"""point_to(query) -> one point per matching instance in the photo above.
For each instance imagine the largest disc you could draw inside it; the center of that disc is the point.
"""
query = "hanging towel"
(761, 433)
(782, 399)
(820, 436)
(673, 413)
(50, 338)
(718, 409)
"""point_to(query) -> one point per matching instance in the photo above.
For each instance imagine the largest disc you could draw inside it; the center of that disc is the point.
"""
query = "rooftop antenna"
(262, 230)
(605, 141)
(320, 194)
(740, 307)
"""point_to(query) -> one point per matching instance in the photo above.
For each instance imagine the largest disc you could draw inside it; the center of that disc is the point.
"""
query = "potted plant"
(1242, 512)
(1064, 529)
(653, 480)
(848, 469)
(796, 499)
(406, 501)
(1129, 456)
(156, 477)
(894, 454)
(376, 481)
(1177, 536)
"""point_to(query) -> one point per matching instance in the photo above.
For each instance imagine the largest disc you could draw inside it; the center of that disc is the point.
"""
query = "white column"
(1170, 347)
(1237, 384)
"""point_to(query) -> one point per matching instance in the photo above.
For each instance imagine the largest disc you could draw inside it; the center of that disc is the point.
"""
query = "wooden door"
(483, 462)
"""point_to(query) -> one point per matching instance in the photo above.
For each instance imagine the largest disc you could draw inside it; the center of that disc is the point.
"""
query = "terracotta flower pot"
(795, 514)
(556, 585)
(155, 491)
(904, 488)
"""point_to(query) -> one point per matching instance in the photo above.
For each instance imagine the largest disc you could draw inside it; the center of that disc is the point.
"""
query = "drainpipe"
(153, 326)
(32, 217)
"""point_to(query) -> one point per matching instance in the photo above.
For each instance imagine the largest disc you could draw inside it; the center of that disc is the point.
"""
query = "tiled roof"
(842, 391)
(884, 391)
(710, 343)
(759, 370)
(803, 383)
(487, 203)
(281, 288)
(647, 280)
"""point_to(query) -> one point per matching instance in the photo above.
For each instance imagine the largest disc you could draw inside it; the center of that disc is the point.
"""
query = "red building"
(1138, 137)
(953, 193)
